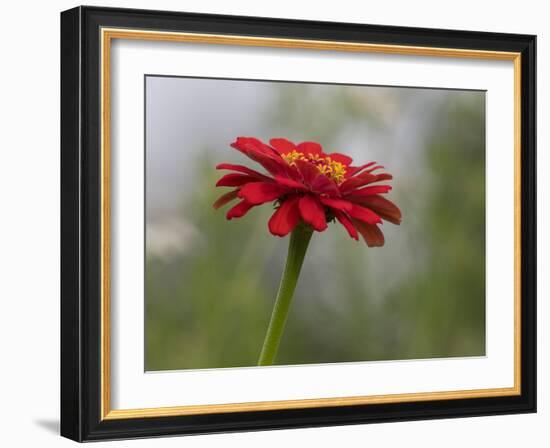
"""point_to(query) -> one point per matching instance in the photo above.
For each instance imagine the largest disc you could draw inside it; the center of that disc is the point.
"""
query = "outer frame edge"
(529, 221)
(71, 351)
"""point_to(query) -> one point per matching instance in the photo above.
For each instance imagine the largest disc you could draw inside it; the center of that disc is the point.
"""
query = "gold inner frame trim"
(107, 35)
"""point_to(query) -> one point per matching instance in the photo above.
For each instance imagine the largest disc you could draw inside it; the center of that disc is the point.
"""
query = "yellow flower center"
(330, 168)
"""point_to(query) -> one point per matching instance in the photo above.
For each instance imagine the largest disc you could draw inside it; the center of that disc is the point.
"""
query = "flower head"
(309, 186)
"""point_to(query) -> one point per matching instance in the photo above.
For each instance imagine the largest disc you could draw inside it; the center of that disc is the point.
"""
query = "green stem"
(299, 240)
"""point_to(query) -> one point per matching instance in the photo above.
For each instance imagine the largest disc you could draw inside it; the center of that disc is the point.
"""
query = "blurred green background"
(211, 283)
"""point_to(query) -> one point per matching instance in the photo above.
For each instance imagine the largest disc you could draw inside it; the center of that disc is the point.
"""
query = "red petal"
(239, 210)
(363, 214)
(282, 145)
(365, 178)
(275, 166)
(322, 184)
(252, 144)
(310, 148)
(368, 191)
(290, 183)
(261, 153)
(285, 218)
(241, 169)
(353, 170)
(225, 198)
(346, 222)
(337, 157)
(260, 192)
(383, 207)
(313, 212)
(383, 176)
(307, 170)
(354, 182)
(372, 235)
(338, 204)
(235, 180)
(374, 168)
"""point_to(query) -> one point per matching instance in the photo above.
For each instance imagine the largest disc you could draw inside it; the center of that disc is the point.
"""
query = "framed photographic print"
(273, 223)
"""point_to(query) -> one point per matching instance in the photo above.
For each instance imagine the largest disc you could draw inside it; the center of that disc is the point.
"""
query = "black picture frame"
(81, 224)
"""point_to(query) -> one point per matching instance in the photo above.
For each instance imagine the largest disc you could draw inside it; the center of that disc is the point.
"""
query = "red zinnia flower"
(309, 186)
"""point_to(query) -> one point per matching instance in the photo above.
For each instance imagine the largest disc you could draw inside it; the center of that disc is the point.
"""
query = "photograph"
(292, 223)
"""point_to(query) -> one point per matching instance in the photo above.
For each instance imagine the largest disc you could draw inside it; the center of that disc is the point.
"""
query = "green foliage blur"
(422, 295)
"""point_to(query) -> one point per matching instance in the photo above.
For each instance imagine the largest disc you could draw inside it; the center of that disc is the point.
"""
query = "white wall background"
(29, 225)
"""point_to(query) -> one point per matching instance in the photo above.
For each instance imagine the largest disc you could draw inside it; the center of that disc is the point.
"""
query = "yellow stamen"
(330, 168)
(291, 157)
